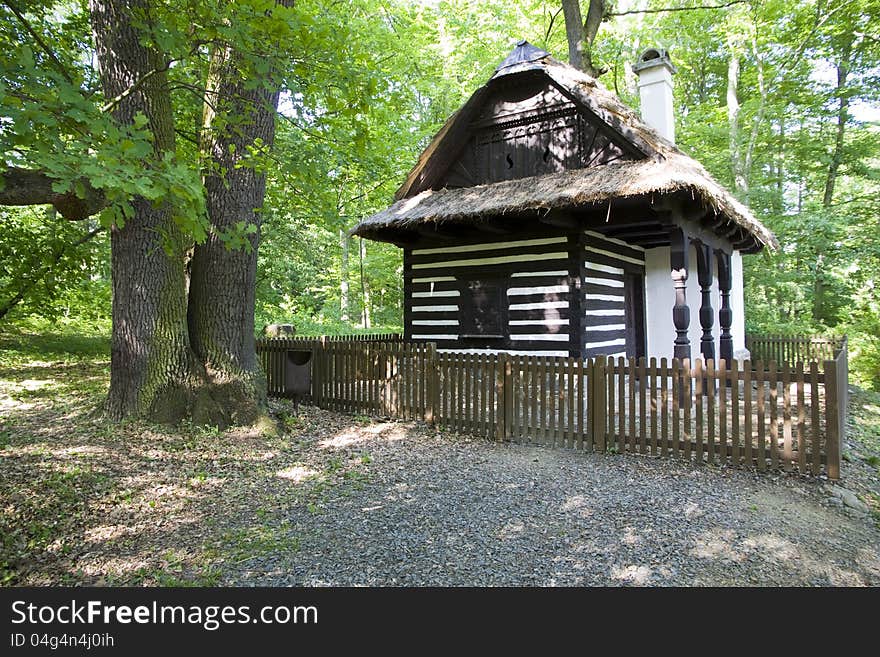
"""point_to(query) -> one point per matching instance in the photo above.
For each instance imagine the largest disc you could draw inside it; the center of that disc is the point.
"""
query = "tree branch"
(110, 105)
(549, 30)
(27, 187)
(35, 35)
(668, 9)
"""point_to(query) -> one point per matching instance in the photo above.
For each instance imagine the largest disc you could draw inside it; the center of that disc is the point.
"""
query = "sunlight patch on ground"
(772, 548)
(166, 491)
(631, 536)
(297, 473)
(117, 566)
(81, 450)
(200, 481)
(512, 528)
(717, 544)
(343, 440)
(107, 533)
(638, 575)
(7, 403)
(359, 435)
(575, 503)
(35, 384)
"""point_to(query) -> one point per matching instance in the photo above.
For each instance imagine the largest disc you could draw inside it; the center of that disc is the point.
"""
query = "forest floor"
(346, 500)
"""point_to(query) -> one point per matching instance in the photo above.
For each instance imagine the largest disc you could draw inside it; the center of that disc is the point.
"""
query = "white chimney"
(655, 88)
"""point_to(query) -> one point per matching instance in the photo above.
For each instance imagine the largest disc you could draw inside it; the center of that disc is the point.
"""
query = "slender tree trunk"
(840, 133)
(833, 168)
(223, 280)
(778, 197)
(365, 290)
(740, 182)
(152, 371)
(758, 120)
(574, 32)
(582, 34)
(344, 244)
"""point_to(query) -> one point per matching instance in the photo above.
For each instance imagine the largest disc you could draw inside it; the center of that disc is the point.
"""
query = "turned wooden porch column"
(725, 314)
(707, 314)
(681, 314)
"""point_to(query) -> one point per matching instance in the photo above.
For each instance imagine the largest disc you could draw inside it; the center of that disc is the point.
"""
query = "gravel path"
(438, 509)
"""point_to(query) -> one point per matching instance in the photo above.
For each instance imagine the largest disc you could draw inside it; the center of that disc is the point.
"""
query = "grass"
(84, 501)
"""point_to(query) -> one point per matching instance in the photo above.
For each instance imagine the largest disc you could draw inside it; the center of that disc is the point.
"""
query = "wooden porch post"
(725, 314)
(681, 314)
(707, 314)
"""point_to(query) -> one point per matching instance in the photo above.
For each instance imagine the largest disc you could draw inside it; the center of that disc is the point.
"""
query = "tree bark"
(152, 371)
(222, 283)
(574, 32)
(582, 34)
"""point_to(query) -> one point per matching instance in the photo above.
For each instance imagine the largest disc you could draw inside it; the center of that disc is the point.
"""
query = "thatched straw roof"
(664, 168)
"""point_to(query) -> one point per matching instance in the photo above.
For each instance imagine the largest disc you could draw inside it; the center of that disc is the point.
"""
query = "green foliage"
(56, 276)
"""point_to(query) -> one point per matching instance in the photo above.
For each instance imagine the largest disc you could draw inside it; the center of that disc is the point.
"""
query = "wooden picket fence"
(792, 349)
(273, 353)
(754, 414)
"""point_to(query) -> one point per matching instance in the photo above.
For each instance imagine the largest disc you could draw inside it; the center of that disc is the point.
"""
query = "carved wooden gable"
(530, 129)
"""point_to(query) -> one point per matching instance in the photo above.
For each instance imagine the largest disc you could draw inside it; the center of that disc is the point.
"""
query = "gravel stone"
(437, 509)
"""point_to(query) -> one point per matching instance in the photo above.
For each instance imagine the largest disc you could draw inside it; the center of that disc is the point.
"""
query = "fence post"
(599, 403)
(832, 419)
(316, 376)
(508, 397)
(843, 386)
(432, 384)
(502, 375)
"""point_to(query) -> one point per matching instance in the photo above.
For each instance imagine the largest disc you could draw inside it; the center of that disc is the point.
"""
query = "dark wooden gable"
(526, 127)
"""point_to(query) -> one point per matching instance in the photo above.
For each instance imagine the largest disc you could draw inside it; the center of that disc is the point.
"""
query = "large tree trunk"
(152, 372)
(222, 284)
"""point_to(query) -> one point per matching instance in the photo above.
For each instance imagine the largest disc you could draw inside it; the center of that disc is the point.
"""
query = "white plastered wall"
(660, 298)
(737, 304)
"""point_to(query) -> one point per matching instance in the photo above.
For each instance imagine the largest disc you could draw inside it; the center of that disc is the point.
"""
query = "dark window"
(634, 314)
(484, 309)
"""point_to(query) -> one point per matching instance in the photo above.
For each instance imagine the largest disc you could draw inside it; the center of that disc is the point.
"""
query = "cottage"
(547, 218)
